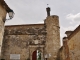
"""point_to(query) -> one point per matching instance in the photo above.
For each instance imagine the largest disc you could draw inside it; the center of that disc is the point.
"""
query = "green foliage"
(39, 55)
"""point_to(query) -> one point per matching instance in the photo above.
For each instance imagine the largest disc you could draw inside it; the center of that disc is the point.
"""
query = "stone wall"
(18, 38)
(15, 44)
(52, 37)
(65, 49)
(25, 39)
(32, 29)
(2, 18)
(60, 54)
(74, 46)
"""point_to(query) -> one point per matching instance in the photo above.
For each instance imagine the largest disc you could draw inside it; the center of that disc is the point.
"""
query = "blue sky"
(34, 11)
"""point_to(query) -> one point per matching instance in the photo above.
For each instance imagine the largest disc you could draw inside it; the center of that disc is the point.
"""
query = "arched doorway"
(36, 55)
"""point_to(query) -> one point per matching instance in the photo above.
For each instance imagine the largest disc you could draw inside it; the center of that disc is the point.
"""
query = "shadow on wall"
(60, 54)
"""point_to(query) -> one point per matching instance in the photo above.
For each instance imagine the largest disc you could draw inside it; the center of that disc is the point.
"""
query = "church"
(31, 41)
(25, 41)
(36, 41)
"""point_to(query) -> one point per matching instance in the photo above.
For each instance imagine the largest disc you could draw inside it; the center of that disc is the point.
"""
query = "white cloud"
(75, 18)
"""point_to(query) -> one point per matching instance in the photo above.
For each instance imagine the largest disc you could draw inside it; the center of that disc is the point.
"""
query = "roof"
(68, 32)
(23, 25)
(74, 32)
(3, 4)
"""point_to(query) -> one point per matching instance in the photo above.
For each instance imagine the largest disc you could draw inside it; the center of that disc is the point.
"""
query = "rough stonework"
(3, 13)
(25, 39)
(66, 49)
(25, 42)
(18, 39)
(60, 54)
(72, 45)
(4, 9)
(37, 41)
(2, 16)
(52, 37)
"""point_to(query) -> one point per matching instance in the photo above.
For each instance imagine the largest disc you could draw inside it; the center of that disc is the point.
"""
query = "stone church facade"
(23, 41)
(33, 41)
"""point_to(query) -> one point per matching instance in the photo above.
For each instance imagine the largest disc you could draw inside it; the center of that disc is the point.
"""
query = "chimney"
(48, 11)
(65, 41)
(66, 48)
(68, 33)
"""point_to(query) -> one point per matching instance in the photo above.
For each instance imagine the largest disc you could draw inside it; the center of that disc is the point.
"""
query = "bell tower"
(48, 11)
(53, 35)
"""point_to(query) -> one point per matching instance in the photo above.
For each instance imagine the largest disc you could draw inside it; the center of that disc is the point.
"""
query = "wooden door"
(34, 55)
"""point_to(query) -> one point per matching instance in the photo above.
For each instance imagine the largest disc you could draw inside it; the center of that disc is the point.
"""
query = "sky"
(34, 12)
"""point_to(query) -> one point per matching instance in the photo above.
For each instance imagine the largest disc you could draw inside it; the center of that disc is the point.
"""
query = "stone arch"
(32, 49)
(37, 54)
